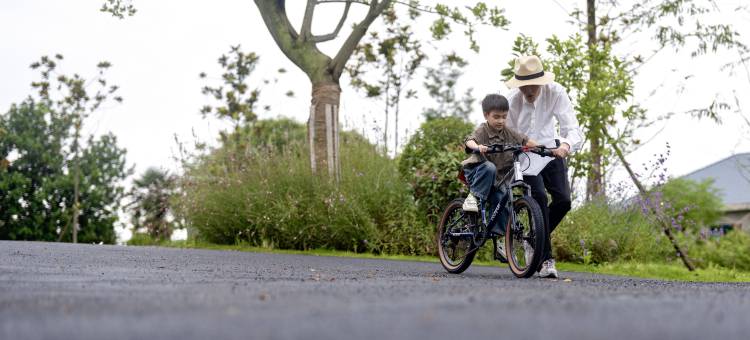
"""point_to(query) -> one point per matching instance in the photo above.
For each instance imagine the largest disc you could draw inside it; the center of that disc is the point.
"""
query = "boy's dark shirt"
(486, 135)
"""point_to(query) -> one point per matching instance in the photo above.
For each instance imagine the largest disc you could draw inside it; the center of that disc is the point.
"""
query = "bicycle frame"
(516, 183)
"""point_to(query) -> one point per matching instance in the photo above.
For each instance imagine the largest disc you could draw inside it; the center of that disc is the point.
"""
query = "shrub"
(275, 134)
(598, 233)
(431, 160)
(269, 197)
(692, 205)
(731, 251)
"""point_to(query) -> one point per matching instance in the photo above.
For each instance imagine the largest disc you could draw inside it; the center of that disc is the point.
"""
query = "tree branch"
(425, 9)
(274, 16)
(337, 1)
(305, 31)
(331, 36)
(339, 61)
(304, 54)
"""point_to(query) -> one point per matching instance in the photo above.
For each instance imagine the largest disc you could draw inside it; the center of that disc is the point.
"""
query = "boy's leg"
(497, 197)
(481, 177)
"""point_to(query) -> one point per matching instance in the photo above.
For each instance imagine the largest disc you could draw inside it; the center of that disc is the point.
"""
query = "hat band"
(530, 76)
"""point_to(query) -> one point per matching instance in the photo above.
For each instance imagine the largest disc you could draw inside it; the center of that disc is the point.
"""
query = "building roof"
(730, 175)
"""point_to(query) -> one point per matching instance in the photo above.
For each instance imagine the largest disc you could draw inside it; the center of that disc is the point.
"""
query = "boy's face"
(530, 92)
(496, 119)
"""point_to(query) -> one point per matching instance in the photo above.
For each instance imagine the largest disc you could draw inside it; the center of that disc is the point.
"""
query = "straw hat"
(529, 71)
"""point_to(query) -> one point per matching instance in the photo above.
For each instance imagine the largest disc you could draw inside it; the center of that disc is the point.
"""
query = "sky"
(158, 54)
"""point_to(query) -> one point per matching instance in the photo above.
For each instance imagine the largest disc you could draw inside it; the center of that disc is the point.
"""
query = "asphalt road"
(65, 291)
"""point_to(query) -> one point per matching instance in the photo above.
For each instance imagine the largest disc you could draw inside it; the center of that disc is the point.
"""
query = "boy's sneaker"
(471, 204)
(500, 250)
(548, 269)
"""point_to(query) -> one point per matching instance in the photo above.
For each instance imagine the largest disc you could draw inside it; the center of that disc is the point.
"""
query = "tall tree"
(601, 82)
(679, 24)
(324, 72)
(74, 99)
(62, 104)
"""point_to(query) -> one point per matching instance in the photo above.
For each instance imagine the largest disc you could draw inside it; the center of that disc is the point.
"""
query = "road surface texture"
(66, 291)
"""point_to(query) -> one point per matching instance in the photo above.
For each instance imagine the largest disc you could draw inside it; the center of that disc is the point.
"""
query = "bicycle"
(461, 233)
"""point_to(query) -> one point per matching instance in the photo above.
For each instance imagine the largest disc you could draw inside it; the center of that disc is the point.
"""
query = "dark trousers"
(553, 180)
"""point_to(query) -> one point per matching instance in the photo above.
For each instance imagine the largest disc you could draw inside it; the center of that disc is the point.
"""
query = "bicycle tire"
(453, 210)
(534, 234)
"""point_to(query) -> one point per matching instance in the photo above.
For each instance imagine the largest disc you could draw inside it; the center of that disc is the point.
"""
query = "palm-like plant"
(150, 208)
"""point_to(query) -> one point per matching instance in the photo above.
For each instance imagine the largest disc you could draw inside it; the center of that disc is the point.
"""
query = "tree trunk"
(594, 183)
(324, 72)
(387, 111)
(395, 130)
(323, 129)
(591, 22)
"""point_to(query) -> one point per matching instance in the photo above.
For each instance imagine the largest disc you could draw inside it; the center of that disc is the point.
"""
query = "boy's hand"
(562, 152)
(483, 149)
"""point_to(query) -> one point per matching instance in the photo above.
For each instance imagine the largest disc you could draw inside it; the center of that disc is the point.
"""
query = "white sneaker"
(471, 204)
(528, 252)
(500, 250)
(548, 269)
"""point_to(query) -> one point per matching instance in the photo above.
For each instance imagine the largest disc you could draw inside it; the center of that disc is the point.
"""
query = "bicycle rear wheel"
(524, 239)
(455, 238)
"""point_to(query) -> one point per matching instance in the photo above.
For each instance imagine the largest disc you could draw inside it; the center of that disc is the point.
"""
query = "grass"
(659, 271)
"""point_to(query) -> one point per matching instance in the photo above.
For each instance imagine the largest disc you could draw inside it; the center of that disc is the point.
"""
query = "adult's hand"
(562, 152)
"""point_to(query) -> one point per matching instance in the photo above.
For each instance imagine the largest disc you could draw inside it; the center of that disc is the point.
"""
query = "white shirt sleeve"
(570, 131)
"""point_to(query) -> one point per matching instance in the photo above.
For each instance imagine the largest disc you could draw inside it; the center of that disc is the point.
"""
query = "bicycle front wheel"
(455, 238)
(525, 239)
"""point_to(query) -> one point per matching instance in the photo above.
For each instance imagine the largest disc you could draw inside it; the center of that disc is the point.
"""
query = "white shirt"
(535, 119)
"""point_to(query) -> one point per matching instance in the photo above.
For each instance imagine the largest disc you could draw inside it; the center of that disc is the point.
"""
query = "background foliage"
(430, 162)
(36, 188)
(267, 196)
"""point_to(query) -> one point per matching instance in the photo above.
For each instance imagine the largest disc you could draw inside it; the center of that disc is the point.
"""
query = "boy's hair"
(494, 102)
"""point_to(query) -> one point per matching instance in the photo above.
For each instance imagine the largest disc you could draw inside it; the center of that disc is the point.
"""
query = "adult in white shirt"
(537, 106)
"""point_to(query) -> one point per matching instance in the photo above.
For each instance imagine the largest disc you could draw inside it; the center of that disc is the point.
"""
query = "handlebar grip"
(494, 148)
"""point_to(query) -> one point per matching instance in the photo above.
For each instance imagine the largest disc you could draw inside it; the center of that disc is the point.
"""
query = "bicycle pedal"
(500, 258)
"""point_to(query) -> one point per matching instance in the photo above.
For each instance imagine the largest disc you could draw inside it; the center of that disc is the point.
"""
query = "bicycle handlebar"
(498, 148)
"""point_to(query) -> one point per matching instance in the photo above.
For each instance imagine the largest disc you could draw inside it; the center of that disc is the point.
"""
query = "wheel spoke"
(454, 249)
(522, 232)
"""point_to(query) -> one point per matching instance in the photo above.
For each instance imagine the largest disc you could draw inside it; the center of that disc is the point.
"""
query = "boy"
(483, 170)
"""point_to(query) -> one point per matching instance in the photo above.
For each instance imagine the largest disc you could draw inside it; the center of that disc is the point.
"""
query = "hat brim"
(547, 78)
